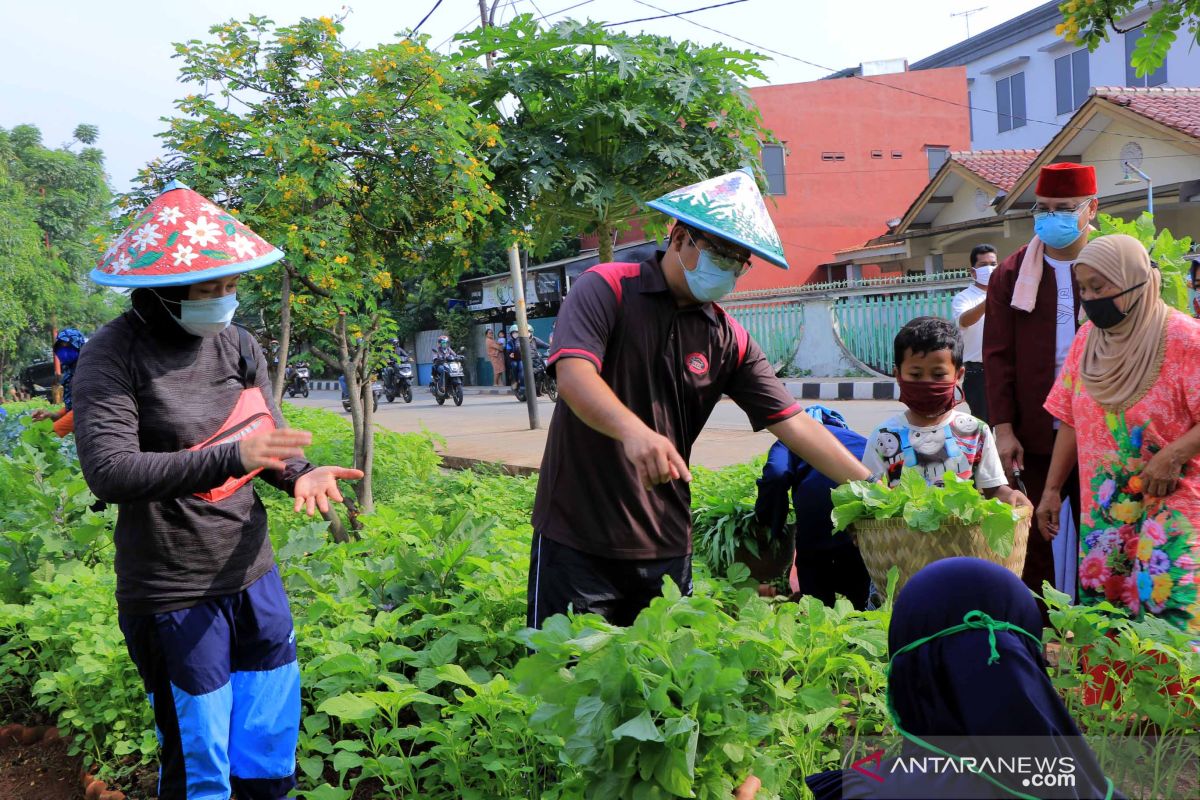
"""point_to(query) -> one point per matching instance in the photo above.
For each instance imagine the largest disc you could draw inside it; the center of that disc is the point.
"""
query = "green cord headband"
(972, 621)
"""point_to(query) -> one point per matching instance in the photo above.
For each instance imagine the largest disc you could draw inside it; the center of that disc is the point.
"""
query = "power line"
(544, 17)
(901, 88)
(675, 14)
(427, 16)
(541, 16)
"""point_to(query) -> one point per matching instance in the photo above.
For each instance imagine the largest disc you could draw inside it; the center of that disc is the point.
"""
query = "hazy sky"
(108, 62)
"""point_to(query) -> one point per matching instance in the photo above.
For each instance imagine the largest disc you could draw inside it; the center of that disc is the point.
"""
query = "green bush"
(418, 680)
(45, 517)
(723, 512)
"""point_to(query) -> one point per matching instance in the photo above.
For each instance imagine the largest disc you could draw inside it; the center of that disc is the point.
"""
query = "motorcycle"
(447, 382)
(296, 379)
(543, 383)
(376, 391)
(397, 380)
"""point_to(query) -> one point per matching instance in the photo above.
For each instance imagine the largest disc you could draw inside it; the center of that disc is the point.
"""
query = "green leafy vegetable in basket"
(927, 508)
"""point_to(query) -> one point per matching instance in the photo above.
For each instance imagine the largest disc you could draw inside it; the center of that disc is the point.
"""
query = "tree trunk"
(285, 337)
(366, 489)
(56, 391)
(604, 231)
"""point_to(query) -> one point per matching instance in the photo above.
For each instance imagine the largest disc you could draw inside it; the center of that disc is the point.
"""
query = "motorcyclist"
(441, 352)
(398, 349)
(513, 348)
(67, 345)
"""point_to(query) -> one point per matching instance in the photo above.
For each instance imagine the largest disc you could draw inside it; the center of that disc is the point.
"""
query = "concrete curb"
(816, 389)
(513, 470)
(834, 389)
(332, 386)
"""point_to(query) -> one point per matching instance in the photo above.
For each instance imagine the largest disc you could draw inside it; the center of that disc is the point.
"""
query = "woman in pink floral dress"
(1128, 399)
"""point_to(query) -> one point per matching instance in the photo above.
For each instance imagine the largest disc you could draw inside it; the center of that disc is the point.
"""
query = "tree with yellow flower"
(361, 165)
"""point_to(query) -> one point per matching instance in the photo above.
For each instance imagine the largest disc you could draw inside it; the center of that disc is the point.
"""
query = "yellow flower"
(1145, 548)
(383, 279)
(322, 243)
(1128, 512)
(342, 259)
(293, 228)
(1162, 588)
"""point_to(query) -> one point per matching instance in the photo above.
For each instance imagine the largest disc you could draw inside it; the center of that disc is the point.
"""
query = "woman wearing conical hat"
(173, 422)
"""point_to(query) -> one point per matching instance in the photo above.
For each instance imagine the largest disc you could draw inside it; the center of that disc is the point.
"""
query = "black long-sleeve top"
(146, 392)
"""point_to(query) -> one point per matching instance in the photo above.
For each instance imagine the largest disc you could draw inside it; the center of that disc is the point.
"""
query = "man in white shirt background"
(968, 309)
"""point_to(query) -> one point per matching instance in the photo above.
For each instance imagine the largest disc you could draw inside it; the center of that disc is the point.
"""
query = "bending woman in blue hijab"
(67, 345)
(967, 679)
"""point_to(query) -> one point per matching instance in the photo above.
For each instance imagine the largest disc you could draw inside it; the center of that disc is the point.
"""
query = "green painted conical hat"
(730, 207)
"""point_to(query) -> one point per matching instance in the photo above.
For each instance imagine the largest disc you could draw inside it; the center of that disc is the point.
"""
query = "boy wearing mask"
(932, 436)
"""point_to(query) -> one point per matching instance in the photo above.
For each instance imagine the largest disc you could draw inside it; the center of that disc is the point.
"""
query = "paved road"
(496, 428)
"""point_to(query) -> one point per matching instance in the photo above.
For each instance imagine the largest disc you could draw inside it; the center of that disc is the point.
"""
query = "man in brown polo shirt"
(642, 356)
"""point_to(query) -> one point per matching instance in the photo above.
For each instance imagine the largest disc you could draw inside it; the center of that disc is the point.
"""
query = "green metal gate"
(868, 324)
(777, 326)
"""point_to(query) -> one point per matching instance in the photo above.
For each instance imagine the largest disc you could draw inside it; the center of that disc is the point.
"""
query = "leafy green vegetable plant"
(1166, 251)
(927, 508)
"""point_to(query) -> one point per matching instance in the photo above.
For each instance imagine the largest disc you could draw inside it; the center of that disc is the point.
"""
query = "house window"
(1010, 102)
(831, 156)
(897, 154)
(1156, 78)
(937, 157)
(772, 162)
(1071, 80)
(876, 154)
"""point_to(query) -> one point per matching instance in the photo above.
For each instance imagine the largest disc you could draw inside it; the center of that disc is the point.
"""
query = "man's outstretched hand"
(748, 790)
(315, 489)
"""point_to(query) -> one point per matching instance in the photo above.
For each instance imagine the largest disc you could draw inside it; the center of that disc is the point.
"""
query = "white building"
(1024, 82)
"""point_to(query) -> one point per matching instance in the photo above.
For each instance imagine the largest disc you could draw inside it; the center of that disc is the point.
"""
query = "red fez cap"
(1066, 180)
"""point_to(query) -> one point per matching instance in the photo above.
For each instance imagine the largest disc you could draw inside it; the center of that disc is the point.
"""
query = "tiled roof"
(1001, 168)
(1175, 107)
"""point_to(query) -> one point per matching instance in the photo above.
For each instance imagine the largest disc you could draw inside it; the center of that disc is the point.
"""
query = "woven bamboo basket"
(887, 543)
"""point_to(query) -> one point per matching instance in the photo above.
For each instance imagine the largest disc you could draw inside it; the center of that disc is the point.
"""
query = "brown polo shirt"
(668, 365)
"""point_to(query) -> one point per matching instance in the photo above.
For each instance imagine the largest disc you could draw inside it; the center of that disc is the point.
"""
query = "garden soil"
(41, 771)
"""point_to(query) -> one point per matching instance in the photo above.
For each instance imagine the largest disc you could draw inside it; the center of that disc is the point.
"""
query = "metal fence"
(777, 326)
(868, 324)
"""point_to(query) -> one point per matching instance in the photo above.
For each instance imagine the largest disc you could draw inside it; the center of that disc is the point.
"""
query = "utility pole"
(966, 15)
(486, 18)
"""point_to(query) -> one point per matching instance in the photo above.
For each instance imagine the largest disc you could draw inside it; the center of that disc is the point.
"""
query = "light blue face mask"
(1058, 229)
(207, 317)
(714, 276)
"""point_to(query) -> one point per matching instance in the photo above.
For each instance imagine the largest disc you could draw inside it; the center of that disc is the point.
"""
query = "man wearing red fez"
(1031, 318)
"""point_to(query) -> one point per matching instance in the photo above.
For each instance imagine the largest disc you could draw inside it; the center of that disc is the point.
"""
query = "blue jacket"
(784, 473)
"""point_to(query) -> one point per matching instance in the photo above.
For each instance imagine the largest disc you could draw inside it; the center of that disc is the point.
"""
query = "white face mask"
(207, 317)
(984, 274)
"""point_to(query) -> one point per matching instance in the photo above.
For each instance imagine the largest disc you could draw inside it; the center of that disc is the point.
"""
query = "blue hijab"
(67, 346)
(957, 685)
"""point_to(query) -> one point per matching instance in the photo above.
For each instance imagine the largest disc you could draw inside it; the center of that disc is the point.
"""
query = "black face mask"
(1103, 311)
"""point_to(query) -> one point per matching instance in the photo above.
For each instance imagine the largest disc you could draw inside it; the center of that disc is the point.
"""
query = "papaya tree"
(1088, 22)
(605, 121)
(365, 166)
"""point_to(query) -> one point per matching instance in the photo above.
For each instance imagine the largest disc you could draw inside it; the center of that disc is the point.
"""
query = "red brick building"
(856, 150)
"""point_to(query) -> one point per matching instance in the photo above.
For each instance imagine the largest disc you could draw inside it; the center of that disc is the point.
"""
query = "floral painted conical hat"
(179, 239)
(730, 207)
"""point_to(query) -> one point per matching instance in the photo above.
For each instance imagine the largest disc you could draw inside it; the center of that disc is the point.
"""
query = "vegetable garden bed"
(418, 676)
